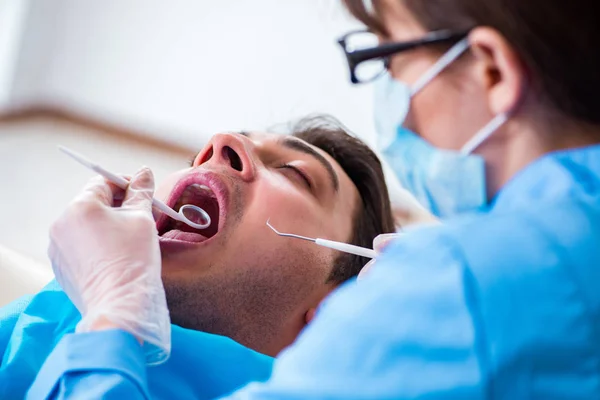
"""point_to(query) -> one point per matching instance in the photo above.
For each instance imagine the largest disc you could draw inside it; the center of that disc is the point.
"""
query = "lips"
(205, 190)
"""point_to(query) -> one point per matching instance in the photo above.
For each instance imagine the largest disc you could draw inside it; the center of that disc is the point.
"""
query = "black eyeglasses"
(367, 59)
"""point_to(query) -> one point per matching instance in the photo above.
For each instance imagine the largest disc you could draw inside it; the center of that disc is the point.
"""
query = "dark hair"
(556, 40)
(374, 215)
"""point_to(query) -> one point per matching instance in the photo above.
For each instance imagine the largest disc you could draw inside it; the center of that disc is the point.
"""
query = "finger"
(382, 241)
(98, 189)
(120, 193)
(102, 189)
(365, 270)
(140, 191)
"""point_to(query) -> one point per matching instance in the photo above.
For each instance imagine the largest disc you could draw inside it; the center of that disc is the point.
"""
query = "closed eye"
(299, 173)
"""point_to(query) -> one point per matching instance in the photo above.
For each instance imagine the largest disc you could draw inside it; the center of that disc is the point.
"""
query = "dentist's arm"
(107, 364)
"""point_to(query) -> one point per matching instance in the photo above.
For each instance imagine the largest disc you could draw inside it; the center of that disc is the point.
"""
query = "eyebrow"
(298, 145)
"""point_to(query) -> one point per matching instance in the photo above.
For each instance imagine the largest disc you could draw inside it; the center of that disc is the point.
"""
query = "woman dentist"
(488, 109)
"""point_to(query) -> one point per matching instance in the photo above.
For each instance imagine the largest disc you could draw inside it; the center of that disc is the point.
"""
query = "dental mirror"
(189, 214)
(194, 213)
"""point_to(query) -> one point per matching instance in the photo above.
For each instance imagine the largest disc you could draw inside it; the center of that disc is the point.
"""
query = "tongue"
(177, 234)
(204, 198)
(183, 227)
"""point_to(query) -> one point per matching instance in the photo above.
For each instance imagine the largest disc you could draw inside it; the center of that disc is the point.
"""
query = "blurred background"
(133, 82)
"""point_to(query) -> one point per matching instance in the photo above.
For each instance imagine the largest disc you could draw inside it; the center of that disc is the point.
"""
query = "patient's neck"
(263, 328)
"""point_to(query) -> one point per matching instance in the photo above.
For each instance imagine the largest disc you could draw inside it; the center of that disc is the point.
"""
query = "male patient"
(236, 291)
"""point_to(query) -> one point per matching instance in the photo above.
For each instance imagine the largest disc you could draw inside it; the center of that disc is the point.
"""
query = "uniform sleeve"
(411, 329)
(98, 365)
(9, 315)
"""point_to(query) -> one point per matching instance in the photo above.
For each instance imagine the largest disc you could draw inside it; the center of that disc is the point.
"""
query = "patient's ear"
(312, 311)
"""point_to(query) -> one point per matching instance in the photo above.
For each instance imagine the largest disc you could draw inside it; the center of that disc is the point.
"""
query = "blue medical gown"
(503, 304)
(201, 366)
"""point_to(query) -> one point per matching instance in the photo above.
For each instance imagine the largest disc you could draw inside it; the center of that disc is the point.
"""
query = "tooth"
(191, 193)
(204, 189)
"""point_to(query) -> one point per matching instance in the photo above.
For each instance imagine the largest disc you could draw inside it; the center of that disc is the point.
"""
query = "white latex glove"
(107, 260)
(379, 244)
(382, 241)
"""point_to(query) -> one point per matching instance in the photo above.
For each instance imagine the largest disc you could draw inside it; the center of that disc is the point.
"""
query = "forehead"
(398, 20)
(266, 139)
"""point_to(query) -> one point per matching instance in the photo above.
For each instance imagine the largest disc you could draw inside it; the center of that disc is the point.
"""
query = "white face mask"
(446, 182)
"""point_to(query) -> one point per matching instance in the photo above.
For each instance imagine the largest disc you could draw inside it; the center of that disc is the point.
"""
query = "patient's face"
(237, 277)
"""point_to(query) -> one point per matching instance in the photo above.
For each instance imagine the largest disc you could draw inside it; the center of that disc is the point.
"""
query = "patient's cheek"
(163, 190)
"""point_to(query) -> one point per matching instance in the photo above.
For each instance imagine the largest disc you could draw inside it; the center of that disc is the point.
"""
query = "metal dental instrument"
(340, 246)
(123, 184)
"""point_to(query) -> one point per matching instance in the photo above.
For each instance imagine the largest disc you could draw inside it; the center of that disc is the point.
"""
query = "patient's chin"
(178, 272)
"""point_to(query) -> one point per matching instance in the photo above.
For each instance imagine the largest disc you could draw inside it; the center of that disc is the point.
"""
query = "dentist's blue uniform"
(502, 304)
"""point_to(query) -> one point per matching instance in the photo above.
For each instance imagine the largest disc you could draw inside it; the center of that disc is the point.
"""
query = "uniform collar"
(549, 176)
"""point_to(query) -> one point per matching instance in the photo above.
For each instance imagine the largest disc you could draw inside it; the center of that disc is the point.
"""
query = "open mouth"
(204, 193)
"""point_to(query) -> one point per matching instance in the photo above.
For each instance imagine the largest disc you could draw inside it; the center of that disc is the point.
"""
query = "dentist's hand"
(379, 244)
(107, 259)
(382, 241)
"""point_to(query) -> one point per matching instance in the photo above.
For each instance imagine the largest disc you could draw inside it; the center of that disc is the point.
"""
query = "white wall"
(12, 16)
(182, 69)
(188, 68)
(38, 181)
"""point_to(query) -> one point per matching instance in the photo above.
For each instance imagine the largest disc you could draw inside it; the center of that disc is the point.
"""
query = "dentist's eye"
(298, 172)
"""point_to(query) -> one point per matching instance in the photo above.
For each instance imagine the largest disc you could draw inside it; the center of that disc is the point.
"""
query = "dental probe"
(123, 184)
(340, 246)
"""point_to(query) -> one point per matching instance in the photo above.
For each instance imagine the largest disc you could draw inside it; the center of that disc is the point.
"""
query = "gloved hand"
(379, 244)
(382, 241)
(106, 257)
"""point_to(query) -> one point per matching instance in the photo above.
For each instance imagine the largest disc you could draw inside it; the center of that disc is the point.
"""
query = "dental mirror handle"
(347, 248)
(123, 184)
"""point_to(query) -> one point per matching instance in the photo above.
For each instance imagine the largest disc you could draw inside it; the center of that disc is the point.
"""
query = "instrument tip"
(272, 227)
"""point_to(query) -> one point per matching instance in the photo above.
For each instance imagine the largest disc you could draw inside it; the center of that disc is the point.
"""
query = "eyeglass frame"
(384, 51)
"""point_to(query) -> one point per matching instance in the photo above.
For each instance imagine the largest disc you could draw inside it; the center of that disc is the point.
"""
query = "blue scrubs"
(201, 366)
(503, 304)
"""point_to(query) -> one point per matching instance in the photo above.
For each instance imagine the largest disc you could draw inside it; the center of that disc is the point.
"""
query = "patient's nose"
(229, 149)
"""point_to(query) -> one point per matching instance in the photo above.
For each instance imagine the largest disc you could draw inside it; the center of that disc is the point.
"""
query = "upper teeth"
(188, 194)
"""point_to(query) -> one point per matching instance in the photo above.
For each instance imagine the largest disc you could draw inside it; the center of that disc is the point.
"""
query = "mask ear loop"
(451, 55)
(484, 133)
(448, 58)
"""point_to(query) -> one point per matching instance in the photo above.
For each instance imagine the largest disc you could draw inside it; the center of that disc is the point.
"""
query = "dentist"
(489, 113)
